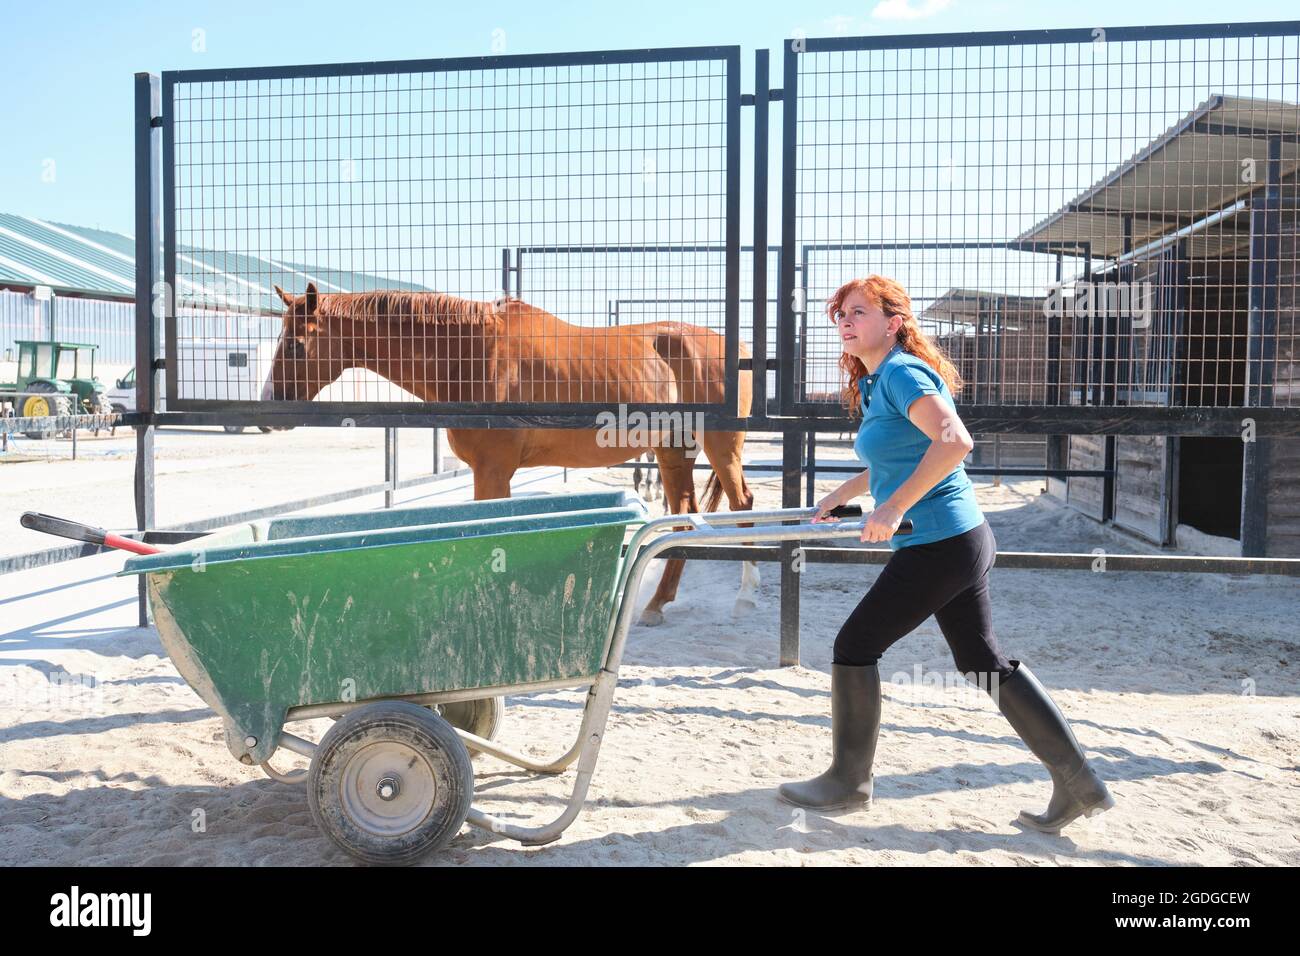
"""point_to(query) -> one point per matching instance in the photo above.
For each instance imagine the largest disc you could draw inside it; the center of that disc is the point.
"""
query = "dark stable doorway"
(1209, 485)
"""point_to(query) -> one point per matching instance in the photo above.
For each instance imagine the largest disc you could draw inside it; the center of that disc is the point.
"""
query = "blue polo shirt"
(891, 447)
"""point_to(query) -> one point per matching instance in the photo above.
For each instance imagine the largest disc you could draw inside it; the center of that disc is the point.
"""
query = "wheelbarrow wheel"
(481, 717)
(390, 782)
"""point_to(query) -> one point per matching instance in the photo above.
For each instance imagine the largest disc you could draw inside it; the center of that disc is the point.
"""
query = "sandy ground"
(1183, 689)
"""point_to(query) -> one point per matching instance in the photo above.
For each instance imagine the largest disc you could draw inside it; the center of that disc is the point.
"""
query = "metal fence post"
(785, 306)
(148, 235)
(762, 99)
(810, 469)
(731, 347)
(791, 475)
(1261, 350)
(390, 466)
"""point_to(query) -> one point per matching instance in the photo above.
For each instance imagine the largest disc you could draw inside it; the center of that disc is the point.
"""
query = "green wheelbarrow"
(409, 627)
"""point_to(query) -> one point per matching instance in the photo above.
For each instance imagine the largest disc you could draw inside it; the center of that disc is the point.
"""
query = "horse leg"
(679, 497)
(654, 488)
(725, 451)
(492, 455)
(492, 482)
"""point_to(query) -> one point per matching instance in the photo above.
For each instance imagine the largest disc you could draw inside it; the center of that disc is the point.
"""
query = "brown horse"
(441, 348)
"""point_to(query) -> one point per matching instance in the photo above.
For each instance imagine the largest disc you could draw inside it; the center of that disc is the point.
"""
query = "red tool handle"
(84, 532)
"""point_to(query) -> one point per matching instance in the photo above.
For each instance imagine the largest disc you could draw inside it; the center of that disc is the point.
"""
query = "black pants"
(949, 579)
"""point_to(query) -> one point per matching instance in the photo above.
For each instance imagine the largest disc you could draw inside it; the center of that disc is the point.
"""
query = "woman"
(913, 445)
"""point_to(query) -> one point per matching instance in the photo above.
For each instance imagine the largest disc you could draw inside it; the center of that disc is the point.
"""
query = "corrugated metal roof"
(969, 306)
(1193, 169)
(99, 263)
(45, 254)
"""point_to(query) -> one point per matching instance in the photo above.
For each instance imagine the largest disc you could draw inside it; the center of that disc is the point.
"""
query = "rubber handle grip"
(62, 527)
(77, 531)
(855, 511)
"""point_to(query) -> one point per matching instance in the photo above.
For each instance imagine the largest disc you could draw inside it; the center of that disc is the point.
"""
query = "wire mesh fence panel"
(355, 231)
(1101, 218)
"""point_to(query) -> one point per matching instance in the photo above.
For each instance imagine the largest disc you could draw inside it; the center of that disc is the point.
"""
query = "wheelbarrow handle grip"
(855, 511)
(77, 531)
(846, 511)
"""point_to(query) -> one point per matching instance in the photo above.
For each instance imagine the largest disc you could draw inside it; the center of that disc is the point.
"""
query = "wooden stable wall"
(1087, 452)
(1286, 368)
(1212, 364)
(1144, 485)
(1022, 364)
(1008, 450)
(1145, 479)
(1283, 535)
(999, 344)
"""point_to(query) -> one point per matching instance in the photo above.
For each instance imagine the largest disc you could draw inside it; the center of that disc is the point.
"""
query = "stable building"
(1204, 222)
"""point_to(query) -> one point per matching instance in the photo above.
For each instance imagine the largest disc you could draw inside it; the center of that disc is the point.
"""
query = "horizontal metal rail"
(1096, 562)
(507, 61)
(1018, 472)
(10, 393)
(37, 559)
(1268, 422)
(47, 423)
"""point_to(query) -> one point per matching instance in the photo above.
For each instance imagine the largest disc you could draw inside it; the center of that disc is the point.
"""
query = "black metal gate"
(424, 176)
(1099, 226)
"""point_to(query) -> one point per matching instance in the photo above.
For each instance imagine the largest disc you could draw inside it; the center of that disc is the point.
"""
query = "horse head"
(306, 361)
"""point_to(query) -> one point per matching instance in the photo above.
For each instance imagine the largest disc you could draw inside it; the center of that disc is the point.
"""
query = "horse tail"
(712, 492)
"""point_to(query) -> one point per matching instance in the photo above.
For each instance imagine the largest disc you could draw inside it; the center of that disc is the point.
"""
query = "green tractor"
(62, 374)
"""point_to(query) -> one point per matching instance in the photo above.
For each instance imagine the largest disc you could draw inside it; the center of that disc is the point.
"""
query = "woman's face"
(864, 329)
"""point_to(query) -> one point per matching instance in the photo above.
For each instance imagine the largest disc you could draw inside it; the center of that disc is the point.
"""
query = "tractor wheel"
(63, 407)
(100, 406)
(48, 403)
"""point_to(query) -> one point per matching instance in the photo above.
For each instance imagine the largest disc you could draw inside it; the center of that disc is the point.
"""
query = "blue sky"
(66, 68)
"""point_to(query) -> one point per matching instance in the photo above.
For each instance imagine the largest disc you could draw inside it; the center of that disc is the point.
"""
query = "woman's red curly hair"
(892, 299)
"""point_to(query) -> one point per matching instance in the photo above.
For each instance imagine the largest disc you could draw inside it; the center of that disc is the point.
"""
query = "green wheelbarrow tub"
(294, 612)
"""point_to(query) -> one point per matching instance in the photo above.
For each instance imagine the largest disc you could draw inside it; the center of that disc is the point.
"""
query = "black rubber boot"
(1076, 789)
(855, 725)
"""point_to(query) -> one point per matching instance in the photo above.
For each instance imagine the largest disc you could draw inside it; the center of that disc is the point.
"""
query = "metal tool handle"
(77, 531)
(716, 519)
(766, 526)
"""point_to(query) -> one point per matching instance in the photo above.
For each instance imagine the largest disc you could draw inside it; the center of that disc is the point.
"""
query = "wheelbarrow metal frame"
(715, 528)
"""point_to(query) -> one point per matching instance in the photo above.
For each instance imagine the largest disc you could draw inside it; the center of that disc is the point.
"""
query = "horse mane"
(426, 308)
